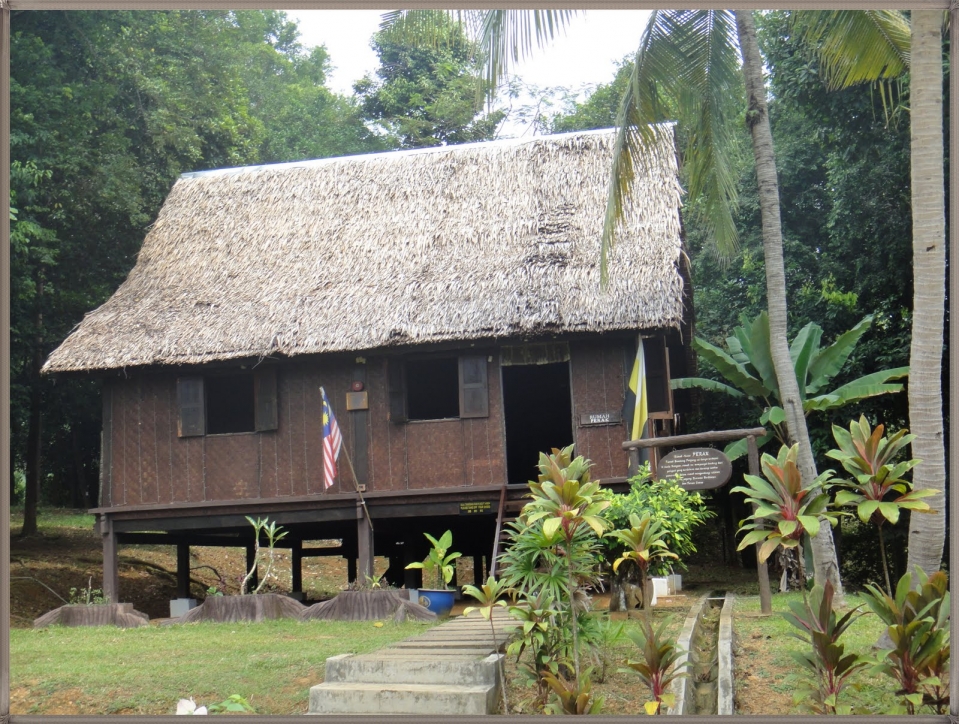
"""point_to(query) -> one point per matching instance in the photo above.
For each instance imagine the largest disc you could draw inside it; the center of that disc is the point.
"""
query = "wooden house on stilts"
(447, 299)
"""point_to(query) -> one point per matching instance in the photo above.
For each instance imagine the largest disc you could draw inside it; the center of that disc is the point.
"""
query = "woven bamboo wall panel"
(231, 467)
(598, 386)
(435, 451)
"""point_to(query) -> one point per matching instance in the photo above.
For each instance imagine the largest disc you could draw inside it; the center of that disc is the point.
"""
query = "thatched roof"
(479, 241)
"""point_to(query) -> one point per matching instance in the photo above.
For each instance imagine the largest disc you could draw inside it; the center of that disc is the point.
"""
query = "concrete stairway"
(450, 669)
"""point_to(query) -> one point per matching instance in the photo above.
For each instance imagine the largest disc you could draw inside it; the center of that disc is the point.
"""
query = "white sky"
(594, 41)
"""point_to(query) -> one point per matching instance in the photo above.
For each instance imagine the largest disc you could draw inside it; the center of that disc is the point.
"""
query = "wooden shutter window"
(474, 388)
(264, 399)
(396, 380)
(192, 415)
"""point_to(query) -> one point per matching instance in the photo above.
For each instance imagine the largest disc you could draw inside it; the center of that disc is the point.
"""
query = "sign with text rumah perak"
(700, 468)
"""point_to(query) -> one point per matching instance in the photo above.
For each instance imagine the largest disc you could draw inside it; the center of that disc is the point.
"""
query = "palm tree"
(893, 51)
(688, 61)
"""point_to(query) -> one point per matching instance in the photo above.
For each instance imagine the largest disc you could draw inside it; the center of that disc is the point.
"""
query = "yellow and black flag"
(635, 409)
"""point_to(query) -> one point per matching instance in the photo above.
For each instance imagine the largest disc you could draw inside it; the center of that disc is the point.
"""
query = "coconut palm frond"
(857, 46)
(688, 65)
(507, 36)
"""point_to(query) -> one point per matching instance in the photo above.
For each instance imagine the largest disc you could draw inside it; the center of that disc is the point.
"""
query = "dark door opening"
(538, 410)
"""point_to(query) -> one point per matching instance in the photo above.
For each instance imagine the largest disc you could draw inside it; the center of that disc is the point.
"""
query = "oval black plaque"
(700, 468)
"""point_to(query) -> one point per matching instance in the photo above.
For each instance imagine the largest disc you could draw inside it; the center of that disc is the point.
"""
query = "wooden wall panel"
(149, 464)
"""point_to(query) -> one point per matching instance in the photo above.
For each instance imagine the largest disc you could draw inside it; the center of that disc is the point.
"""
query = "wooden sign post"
(706, 470)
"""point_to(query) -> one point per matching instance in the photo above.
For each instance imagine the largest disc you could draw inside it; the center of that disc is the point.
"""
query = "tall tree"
(426, 94)
(893, 50)
(107, 109)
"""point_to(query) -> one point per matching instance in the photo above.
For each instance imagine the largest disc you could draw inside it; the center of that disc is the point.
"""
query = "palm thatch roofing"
(478, 241)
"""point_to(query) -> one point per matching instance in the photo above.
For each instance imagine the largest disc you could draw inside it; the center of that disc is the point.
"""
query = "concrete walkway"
(450, 669)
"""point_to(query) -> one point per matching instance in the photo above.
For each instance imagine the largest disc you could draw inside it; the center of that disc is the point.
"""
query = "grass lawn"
(107, 670)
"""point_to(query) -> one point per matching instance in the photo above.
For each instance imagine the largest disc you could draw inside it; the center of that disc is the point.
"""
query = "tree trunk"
(757, 118)
(927, 532)
(31, 494)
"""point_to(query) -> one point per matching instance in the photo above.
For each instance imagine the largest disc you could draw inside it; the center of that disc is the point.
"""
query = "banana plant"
(746, 363)
(877, 488)
(783, 501)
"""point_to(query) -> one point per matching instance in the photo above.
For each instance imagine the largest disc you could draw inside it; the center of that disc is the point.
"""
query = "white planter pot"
(660, 588)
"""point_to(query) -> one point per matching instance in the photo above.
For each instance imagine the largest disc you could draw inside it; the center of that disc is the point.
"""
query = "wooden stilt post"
(182, 570)
(111, 571)
(364, 542)
(296, 568)
(765, 593)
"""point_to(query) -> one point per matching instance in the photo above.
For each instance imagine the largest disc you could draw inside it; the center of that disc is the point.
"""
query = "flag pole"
(357, 487)
(349, 462)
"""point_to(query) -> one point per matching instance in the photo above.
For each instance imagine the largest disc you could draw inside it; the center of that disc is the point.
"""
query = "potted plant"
(438, 570)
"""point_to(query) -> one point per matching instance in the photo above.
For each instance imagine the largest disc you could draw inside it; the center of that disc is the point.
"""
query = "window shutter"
(474, 390)
(264, 398)
(192, 418)
(659, 399)
(396, 378)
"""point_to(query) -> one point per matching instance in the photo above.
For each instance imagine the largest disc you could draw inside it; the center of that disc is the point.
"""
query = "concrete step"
(374, 669)
(421, 699)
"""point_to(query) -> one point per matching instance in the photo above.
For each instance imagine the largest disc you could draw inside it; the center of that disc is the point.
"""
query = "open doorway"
(538, 410)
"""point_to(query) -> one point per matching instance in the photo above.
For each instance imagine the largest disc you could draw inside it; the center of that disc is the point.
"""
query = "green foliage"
(917, 621)
(489, 596)
(564, 498)
(539, 635)
(747, 365)
(273, 533)
(438, 564)
(107, 109)
(427, 93)
(781, 499)
(233, 704)
(868, 457)
(677, 511)
(657, 667)
(555, 550)
(88, 596)
(830, 666)
(644, 544)
(568, 697)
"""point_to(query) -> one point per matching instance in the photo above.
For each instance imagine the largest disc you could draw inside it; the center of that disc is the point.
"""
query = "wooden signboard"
(701, 468)
(476, 507)
(601, 418)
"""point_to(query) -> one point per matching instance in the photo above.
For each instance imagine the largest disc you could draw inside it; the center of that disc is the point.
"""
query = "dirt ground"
(46, 566)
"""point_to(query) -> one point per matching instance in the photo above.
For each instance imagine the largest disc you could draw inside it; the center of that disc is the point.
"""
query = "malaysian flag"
(332, 442)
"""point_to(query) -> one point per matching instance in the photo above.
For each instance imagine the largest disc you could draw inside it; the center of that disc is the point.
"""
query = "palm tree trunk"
(927, 532)
(757, 118)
